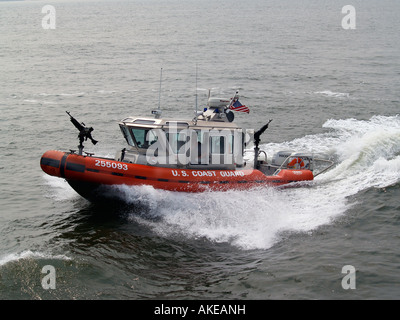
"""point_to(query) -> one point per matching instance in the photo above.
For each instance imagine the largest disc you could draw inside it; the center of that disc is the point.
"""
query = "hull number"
(109, 164)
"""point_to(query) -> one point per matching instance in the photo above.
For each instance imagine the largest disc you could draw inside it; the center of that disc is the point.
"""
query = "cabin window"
(177, 140)
(144, 138)
(230, 144)
(127, 135)
(143, 121)
(174, 124)
(217, 145)
(221, 144)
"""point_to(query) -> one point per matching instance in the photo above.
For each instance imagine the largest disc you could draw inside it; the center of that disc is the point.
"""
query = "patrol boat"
(198, 155)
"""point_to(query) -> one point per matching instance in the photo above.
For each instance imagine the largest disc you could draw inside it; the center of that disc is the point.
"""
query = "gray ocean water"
(329, 90)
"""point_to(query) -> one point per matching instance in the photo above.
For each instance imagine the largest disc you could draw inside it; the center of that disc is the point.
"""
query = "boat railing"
(284, 164)
(330, 164)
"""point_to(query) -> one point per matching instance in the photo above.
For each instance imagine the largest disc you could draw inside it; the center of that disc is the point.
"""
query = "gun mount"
(84, 132)
(257, 140)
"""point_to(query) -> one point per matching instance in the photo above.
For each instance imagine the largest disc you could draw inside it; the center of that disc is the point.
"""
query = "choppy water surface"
(330, 91)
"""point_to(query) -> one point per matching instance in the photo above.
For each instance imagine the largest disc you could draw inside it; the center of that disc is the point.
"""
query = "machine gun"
(84, 132)
(257, 140)
(260, 132)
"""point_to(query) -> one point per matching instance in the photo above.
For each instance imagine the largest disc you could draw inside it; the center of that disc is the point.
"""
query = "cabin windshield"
(138, 137)
(127, 135)
(144, 138)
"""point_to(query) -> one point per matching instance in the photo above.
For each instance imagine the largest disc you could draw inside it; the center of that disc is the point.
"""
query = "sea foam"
(367, 155)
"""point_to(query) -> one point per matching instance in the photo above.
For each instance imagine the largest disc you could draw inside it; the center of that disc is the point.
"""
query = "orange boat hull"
(86, 173)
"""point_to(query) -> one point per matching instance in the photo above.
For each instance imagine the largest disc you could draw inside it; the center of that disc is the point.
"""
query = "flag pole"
(233, 99)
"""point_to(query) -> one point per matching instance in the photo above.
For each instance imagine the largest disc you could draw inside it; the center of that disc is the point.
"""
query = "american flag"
(237, 106)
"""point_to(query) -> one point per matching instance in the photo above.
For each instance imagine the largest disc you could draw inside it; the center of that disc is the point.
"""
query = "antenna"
(196, 112)
(159, 93)
(157, 113)
(196, 96)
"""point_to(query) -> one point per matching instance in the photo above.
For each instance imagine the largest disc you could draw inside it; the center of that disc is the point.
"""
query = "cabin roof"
(161, 123)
